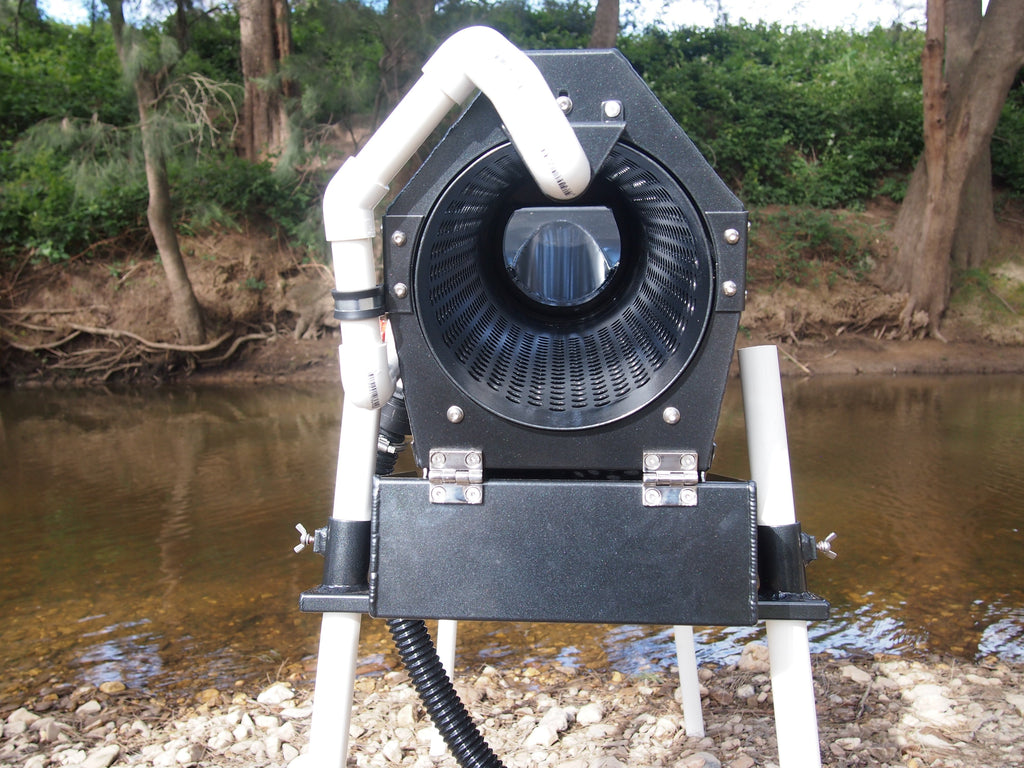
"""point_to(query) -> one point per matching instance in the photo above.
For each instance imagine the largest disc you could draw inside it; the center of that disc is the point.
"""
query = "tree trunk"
(606, 25)
(185, 307)
(966, 79)
(266, 43)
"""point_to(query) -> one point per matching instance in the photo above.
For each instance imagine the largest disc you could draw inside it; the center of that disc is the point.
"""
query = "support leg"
(796, 721)
(689, 685)
(447, 632)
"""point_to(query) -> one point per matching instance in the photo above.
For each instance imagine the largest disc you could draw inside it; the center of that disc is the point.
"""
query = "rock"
(590, 713)
(754, 658)
(189, 754)
(743, 761)
(665, 728)
(266, 722)
(745, 691)
(208, 696)
(112, 686)
(856, 674)
(1016, 700)
(91, 707)
(700, 760)
(543, 735)
(557, 718)
(102, 756)
(392, 751)
(22, 715)
(278, 693)
(36, 761)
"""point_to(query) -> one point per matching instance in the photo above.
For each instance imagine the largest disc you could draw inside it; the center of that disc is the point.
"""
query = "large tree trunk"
(606, 24)
(968, 66)
(185, 307)
(266, 43)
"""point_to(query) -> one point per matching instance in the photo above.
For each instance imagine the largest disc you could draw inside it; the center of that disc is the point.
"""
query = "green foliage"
(802, 236)
(791, 116)
(530, 25)
(1008, 141)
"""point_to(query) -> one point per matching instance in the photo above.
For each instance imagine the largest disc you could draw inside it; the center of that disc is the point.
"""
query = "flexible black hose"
(438, 695)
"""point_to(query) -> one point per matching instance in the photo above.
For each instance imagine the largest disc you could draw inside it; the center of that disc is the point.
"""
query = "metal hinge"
(670, 479)
(456, 476)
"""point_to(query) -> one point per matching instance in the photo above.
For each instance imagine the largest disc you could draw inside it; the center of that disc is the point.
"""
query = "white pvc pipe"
(689, 685)
(476, 57)
(796, 720)
(447, 635)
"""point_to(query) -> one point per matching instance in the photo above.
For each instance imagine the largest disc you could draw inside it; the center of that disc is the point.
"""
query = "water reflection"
(146, 536)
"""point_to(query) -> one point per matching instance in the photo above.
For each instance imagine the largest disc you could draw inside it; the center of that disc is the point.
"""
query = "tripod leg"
(447, 632)
(689, 685)
(796, 721)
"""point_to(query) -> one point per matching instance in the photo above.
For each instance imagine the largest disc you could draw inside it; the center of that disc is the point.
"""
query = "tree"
(148, 75)
(968, 65)
(606, 24)
(266, 43)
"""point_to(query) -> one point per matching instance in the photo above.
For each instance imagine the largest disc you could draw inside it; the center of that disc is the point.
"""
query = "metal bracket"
(670, 479)
(456, 476)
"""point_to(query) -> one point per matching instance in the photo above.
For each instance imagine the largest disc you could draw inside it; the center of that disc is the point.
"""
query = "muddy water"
(147, 537)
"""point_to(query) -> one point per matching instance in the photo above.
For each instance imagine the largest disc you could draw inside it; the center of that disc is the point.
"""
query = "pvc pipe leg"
(447, 632)
(332, 697)
(796, 720)
(689, 685)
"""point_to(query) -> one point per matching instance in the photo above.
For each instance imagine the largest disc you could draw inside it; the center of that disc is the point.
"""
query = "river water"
(146, 536)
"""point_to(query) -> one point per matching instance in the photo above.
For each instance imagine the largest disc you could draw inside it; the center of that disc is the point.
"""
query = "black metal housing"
(532, 384)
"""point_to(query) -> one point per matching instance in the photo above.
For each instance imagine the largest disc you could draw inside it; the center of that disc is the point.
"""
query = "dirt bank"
(269, 313)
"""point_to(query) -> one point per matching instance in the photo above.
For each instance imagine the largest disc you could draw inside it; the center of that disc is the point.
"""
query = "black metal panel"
(566, 551)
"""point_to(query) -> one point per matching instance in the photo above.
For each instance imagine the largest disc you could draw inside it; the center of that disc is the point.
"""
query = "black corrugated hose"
(412, 639)
(438, 695)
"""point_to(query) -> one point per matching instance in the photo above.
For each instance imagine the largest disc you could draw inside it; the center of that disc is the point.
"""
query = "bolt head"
(438, 494)
(688, 461)
(473, 459)
(729, 288)
(437, 459)
(652, 461)
(732, 236)
(612, 109)
(399, 238)
(652, 497)
(401, 290)
(474, 494)
(564, 103)
(688, 497)
(455, 414)
(671, 415)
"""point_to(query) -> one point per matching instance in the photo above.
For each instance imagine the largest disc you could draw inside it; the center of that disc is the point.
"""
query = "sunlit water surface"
(146, 536)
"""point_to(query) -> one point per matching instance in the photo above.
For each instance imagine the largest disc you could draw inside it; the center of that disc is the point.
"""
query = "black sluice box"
(566, 551)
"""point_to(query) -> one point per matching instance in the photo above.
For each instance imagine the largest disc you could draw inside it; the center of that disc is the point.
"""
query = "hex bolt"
(729, 288)
(399, 238)
(732, 236)
(612, 109)
(455, 414)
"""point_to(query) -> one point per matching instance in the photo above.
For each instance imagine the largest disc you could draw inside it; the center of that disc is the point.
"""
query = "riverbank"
(883, 712)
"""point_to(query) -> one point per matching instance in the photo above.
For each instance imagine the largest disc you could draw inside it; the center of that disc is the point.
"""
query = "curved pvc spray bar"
(476, 57)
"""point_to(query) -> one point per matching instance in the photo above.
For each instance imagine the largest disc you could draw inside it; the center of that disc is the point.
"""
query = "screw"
(564, 103)
(825, 547)
(398, 237)
(305, 539)
(473, 459)
(732, 236)
(612, 109)
(437, 459)
(688, 461)
(671, 415)
(729, 288)
(652, 497)
(401, 290)
(455, 414)
(652, 461)
(688, 497)
(438, 495)
(474, 494)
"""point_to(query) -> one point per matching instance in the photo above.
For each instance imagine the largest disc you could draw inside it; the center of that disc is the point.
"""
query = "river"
(146, 536)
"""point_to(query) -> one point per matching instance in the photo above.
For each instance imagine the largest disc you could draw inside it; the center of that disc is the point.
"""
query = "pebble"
(885, 713)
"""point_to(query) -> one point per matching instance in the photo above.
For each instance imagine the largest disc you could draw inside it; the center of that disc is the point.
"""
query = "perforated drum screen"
(564, 367)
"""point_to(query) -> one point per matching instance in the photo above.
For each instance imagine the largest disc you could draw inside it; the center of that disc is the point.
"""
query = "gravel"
(871, 712)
